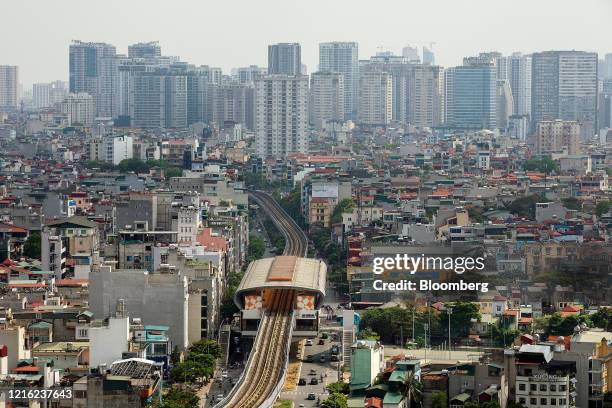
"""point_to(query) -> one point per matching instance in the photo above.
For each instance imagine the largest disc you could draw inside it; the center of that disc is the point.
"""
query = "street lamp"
(449, 310)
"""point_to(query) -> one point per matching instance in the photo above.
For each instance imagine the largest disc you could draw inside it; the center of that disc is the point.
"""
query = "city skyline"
(542, 28)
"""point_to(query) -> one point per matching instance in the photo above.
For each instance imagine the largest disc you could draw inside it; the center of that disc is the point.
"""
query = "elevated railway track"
(265, 371)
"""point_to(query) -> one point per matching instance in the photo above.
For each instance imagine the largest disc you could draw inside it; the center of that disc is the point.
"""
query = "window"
(522, 401)
(522, 387)
(553, 387)
(533, 401)
(533, 387)
(563, 387)
(544, 401)
(553, 401)
(543, 387)
(562, 401)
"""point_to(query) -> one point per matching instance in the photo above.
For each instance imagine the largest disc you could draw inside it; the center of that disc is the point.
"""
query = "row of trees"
(137, 166)
(557, 325)
(199, 366)
(390, 324)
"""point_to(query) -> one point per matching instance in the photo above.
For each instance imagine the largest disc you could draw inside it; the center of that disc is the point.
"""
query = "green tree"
(189, 371)
(206, 346)
(31, 248)
(602, 207)
(412, 390)
(602, 318)
(335, 400)
(177, 398)
(292, 204)
(135, 165)
(368, 334)
(558, 325)
(175, 357)
(607, 400)
(228, 307)
(173, 172)
(339, 387)
(543, 165)
(503, 334)
(525, 206)
(345, 205)
(439, 400)
(103, 166)
(572, 203)
(461, 319)
(476, 215)
(257, 248)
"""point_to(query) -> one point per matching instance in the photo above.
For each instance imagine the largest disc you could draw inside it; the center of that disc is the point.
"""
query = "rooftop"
(283, 272)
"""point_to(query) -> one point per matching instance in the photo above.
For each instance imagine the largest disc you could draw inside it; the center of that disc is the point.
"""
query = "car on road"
(321, 342)
(334, 357)
(302, 381)
(311, 396)
(313, 371)
(309, 342)
(314, 381)
(309, 359)
(322, 359)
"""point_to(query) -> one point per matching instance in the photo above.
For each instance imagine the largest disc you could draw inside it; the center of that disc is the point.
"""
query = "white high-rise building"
(40, 95)
(285, 58)
(375, 98)
(326, 98)
(48, 94)
(505, 103)
(428, 56)
(94, 69)
(519, 76)
(79, 108)
(411, 54)
(9, 85)
(564, 86)
(343, 58)
(281, 115)
(118, 148)
(607, 74)
(425, 95)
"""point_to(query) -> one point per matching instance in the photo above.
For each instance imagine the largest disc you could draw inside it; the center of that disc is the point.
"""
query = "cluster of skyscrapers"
(281, 103)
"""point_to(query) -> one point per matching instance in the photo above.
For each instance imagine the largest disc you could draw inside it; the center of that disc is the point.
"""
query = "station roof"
(284, 272)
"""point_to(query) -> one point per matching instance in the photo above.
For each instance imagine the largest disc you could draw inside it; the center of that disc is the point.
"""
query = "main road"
(265, 372)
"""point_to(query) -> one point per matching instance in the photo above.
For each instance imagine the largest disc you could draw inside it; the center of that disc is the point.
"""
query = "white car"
(309, 342)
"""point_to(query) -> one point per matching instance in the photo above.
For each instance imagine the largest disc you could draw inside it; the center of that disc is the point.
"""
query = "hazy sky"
(35, 34)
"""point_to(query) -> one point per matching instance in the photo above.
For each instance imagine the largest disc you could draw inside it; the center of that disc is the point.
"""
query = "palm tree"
(411, 389)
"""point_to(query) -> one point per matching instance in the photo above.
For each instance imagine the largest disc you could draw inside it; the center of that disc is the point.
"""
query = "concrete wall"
(159, 299)
(107, 343)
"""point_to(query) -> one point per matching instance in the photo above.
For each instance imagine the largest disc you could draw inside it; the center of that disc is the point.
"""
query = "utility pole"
(426, 326)
(413, 324)
(401, 336)
(429, 322)
(449, 310)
